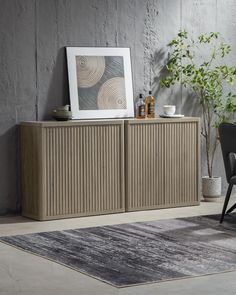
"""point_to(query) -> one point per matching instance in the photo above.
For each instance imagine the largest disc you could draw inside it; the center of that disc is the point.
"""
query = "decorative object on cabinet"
(140, 111)
(169, 110)
(62, 113)
(100, 82)
(150, 106)
(79, 168)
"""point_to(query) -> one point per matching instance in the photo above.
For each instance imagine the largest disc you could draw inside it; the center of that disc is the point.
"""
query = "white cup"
(169, 110)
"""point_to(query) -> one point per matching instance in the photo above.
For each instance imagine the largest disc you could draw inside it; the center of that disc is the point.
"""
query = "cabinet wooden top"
(162, 120)
(108, 122)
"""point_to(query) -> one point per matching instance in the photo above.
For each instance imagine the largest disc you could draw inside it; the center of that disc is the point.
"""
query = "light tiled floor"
(24, 273)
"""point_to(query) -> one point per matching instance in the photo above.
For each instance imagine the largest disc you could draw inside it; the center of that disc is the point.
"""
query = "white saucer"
(172, 116)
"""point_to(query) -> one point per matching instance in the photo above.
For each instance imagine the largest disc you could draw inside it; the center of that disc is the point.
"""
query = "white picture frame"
(100, 82)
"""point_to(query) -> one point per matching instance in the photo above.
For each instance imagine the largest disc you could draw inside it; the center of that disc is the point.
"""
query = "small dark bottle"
(140, 107)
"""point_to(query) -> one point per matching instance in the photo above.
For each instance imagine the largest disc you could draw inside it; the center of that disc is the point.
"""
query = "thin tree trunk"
(214, 150)
(207, 138)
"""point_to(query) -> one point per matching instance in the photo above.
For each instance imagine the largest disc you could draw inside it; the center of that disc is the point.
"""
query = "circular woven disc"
(89, 70)
(111, 95)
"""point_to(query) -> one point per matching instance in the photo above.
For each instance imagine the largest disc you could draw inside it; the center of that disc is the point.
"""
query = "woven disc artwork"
(89, 70)
(111, 95)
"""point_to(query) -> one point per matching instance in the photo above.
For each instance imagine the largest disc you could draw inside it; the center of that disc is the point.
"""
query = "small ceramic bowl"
(169, 109)
(62, 115)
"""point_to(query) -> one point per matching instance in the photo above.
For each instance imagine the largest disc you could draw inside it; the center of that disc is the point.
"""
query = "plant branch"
(207, 80)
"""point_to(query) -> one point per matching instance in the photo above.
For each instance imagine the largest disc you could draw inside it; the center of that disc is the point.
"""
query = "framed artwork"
(100, 82)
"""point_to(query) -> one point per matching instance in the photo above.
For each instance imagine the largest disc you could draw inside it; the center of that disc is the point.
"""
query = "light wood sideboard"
(80, 168)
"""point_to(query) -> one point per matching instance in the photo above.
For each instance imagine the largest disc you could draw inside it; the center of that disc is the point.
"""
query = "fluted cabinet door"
(162, 163)
(82, 169)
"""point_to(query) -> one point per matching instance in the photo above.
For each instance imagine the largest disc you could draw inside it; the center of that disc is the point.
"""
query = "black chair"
(227, 133)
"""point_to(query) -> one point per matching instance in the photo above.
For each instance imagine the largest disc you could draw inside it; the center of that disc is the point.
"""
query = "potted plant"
(199, 65)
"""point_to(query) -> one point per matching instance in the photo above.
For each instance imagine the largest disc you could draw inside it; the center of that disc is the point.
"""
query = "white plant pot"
(211, 188)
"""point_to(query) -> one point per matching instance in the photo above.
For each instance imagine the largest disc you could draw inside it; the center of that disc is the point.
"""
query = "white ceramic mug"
(169, 110)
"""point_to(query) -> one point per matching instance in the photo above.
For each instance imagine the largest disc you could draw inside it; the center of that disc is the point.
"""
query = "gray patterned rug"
(138, 253)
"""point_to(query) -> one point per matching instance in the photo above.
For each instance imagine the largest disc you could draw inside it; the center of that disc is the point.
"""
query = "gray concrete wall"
(33, 77)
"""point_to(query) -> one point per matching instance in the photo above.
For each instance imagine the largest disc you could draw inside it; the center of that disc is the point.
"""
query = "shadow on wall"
(172, 95)
(185, 101)
(9, 176)
(159, 70)
(58, 91)
(190, 104)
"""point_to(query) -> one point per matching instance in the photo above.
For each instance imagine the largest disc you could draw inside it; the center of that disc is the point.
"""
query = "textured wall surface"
(33, 77)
